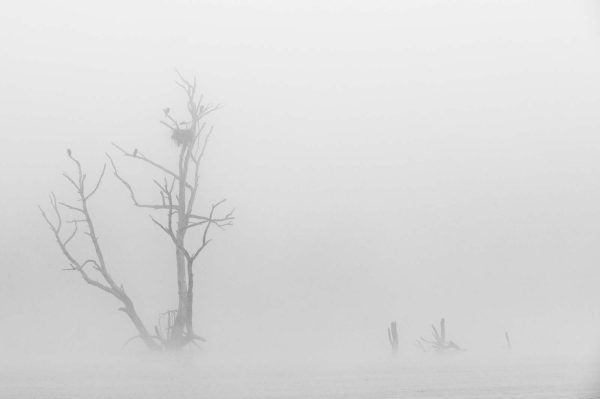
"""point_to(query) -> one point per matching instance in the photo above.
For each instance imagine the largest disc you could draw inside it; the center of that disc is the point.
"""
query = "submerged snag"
(508, 343)
(393, 336)
(438, 342)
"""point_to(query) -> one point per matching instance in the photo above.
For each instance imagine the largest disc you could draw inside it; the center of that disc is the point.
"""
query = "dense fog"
(387, 161)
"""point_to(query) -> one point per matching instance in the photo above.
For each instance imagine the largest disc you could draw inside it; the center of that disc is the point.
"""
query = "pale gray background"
(388, 160)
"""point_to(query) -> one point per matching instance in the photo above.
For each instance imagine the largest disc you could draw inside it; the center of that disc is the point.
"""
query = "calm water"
(433, 378)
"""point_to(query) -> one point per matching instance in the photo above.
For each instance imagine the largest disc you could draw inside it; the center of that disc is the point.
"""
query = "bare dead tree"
(177, 199)
(177, 195)
(93, 270)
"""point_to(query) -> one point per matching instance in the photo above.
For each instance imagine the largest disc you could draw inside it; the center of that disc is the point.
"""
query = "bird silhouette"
(167, 110)
(135, 152)
(68, 151)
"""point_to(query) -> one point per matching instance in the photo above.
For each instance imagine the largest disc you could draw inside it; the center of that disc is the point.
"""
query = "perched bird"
(135, 152)
(68, 151)
(166, 111)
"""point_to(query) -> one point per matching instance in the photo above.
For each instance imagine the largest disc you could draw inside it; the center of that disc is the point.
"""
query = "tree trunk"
(130, 311)
(190, 301)
(181, 320)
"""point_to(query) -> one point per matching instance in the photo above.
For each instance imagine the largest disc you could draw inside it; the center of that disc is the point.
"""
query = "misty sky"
(401, 160)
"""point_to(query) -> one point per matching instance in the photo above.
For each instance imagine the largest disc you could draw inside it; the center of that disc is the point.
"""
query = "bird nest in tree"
(182, 136)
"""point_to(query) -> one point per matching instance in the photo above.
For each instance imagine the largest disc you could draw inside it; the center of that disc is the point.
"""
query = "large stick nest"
(182, 136)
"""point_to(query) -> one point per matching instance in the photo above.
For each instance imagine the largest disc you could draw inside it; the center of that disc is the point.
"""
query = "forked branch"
(104, 280)
(135, 154)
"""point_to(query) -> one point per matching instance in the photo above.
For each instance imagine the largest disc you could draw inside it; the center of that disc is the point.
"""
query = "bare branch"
(221, 222)
(169, 126)
(74, 208)
(75, 265)
(71, 236)
(171, 234)
(92, 261)
(97, 184)
(96, 283)
(130, 189)
(163, 228)
(138, 155)
(199, 250)
(207, 221)
(192, 225)
(70, 179)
